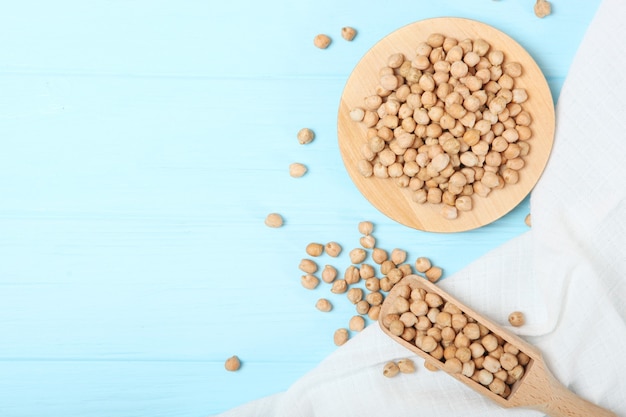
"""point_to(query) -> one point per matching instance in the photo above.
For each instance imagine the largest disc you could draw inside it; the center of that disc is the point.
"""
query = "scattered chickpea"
(517, 318)
(542, 8)
(528, 220)
(355, 295)
(348, 33)
(379, 255)
(339, 286)
(333, 249)
(309, 281)
(297, 170)
(434, 273)
(422, 264)
(321, 41)
(366, 228)
(232, 364)
(357, 323)
(329, 273)
(406, 366)
(357, 255)
(323, 305)
(274, 220)
(305, 135)
(314, 249)
(398, 256)
(368, 241)
(362, 307)
(341, 336)
(374, 312)
(391, 369)
(308, 266)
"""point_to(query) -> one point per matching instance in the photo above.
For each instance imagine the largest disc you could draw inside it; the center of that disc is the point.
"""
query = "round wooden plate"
(394, 201)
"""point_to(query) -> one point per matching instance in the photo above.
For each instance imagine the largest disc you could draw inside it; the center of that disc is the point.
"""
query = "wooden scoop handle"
(564, 403)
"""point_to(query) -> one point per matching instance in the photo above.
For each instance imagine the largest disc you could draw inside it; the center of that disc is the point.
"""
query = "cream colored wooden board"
(396, 202)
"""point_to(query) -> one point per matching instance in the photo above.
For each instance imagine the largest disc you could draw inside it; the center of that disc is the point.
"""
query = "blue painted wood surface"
(143, 144)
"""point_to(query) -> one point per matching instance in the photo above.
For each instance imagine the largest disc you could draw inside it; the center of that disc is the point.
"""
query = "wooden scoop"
(537, 389)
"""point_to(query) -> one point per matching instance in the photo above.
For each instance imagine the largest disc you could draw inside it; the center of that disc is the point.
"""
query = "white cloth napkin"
(567, 274)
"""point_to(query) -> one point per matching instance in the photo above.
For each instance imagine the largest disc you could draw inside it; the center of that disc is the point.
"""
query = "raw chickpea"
(406, 366)
(408, 319)
(339, 286)
(308, 266)
(357, 114)
(428, 344)
(485, 377)
(542, 8)
(321, 41)
(357, 323)
(274, 220)
(305, 135)
(398, 256)
(323, 305)
(419, 307)
(453, 366)
(314, 249)
(434, 273)
(527, 220)
(497, 386)
(232, 364)
(348, 33)
(333, 249)
(352, 275)
(357, 255)
(368, 241)
(491, 364)
(433, 300)
(374, 298)
(362, 307)
(385, 284)
(516, 318)
(396, 327)
(405, 269)
(355, 295)
(386, 266)
(472, 331)
(366, 271)
(365, 168)
(341, 336)
(372, 284)
(508, 361)
(374, 312)
(366, 227)
(391, 369)
(430, 366)
(309, 281)
(379, 255)
(490, 342)
(329, 273)
(297, 170)
(422, 264)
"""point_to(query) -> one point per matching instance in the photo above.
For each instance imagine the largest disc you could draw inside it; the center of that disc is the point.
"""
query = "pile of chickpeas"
(365, 284)
(463, 345)
(448, 124)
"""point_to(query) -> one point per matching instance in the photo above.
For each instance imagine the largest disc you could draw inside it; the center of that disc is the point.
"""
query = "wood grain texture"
(396, 202)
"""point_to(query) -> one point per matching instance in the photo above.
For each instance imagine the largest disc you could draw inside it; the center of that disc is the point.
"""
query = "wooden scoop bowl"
(537, 389)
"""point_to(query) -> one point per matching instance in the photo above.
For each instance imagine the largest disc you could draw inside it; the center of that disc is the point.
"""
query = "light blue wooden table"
(143, 144)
